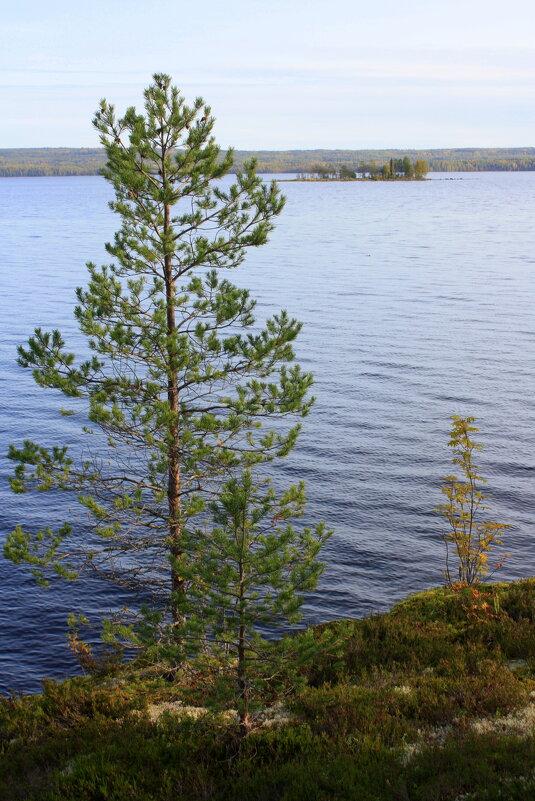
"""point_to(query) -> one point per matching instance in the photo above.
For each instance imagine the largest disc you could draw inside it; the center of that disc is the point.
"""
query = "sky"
(278, 74)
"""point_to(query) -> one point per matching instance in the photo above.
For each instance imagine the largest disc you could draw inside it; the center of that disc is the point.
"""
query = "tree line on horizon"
(27, 162)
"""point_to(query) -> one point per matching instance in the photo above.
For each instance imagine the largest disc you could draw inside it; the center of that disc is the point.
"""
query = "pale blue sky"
(278, 74)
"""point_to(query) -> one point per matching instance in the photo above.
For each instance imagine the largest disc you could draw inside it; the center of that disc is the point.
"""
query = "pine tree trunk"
(173, 483)
(242, 632)
(242, 685)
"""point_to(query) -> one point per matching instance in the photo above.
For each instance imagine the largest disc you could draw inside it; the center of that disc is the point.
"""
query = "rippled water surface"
(417, 301)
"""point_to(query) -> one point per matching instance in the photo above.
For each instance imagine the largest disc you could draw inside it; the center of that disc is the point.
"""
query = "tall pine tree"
(180, 380)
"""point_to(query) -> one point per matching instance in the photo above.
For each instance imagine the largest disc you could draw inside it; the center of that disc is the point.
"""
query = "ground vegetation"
(432, 701)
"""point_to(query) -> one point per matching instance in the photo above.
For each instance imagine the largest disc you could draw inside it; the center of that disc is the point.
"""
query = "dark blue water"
(417, 301)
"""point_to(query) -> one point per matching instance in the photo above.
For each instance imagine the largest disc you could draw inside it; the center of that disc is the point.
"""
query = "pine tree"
(408, 168)
(246, 573)
(180, 379)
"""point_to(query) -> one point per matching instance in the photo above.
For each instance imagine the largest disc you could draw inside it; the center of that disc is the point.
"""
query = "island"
(401, 169)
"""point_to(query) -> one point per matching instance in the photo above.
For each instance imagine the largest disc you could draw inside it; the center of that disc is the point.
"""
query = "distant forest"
(89, 161)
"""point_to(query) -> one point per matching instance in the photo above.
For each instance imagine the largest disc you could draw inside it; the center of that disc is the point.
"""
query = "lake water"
(417, 301)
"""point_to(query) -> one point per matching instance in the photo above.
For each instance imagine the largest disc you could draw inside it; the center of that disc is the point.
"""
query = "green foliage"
(329, 172)
(250, 571)
(408, 169)
(447, 631)
(394, 169)
(346, 172)
(181, 380)
(41, 549)
(471, 537)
